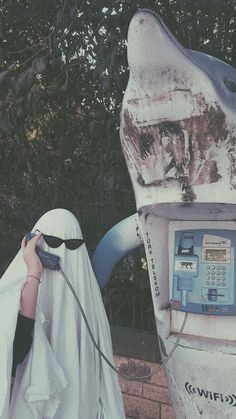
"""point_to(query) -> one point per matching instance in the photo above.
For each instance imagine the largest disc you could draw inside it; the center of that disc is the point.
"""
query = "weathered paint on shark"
(178, 125)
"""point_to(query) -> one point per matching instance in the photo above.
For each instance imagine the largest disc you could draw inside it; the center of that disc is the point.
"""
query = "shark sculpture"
(178, 133)
(178, 127)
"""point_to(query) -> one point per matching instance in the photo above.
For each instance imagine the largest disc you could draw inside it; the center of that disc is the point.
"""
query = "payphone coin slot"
(212, 294)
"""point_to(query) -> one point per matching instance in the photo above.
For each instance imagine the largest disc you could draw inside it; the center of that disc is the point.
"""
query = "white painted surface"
(178, 131)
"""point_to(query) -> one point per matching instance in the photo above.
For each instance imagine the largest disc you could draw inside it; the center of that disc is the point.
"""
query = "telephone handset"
(48, 260)
(203, 272)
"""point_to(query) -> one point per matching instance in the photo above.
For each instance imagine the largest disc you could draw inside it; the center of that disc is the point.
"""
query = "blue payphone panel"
(203, 272)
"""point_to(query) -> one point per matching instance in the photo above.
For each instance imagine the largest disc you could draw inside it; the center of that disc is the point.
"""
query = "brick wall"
(146, 399)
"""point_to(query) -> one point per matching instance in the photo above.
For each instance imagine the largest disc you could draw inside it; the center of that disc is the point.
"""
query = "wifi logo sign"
(190, 389)
(231, 399)
(210, 395)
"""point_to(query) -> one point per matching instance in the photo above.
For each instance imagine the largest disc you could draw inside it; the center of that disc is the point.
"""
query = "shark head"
(178, 119)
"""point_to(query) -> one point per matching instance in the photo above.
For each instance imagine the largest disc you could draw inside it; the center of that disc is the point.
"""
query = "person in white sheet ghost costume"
(63, 376)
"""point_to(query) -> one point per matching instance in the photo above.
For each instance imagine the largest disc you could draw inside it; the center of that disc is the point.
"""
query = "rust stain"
(205, 133)
(164, 97)
(186, 151)
(232, 159)
(130, 132)
(208, 173)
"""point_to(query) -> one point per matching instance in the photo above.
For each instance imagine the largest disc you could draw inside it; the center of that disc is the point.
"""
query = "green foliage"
(127, 296)
(63, 72)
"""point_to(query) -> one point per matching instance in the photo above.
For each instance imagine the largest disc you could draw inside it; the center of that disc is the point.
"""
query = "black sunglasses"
(71, 244)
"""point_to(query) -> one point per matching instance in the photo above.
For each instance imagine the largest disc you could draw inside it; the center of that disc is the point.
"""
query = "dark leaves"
(24, 82)
(39, 64)
(5, 73)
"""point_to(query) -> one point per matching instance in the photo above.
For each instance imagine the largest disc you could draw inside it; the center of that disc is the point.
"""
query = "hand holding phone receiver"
(48, 260)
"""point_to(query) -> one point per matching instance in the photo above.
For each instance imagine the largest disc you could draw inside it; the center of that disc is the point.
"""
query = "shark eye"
(230, 84)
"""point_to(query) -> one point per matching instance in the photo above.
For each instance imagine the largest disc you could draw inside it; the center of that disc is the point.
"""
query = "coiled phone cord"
(130, 377)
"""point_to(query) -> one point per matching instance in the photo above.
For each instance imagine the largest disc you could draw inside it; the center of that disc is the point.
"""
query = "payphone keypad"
(216, 275)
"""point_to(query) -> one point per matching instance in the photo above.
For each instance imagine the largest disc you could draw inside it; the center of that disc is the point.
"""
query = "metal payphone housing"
(178, 133)
(203, 270)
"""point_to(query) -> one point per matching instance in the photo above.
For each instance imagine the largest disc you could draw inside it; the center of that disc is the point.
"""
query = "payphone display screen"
(216, 255)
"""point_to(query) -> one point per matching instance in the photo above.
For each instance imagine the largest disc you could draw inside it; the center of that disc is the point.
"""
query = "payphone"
(203, 272)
